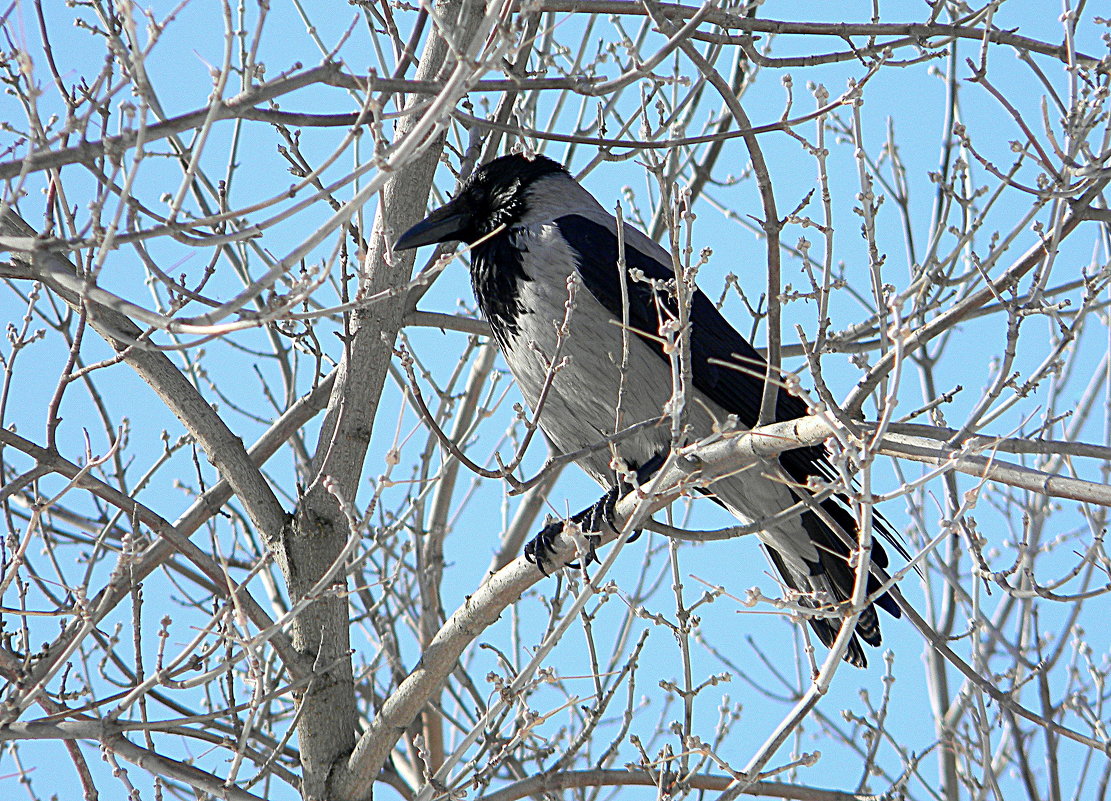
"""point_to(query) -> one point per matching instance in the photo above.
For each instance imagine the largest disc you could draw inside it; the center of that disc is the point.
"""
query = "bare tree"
(265, 486)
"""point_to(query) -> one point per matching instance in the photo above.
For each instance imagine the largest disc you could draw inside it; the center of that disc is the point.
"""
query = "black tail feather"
(833, 574)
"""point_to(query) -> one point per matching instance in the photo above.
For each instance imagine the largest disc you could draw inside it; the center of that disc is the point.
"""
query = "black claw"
(593, 520)
(541, 548)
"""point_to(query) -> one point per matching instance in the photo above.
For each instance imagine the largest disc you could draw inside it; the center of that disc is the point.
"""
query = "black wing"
(738, 388)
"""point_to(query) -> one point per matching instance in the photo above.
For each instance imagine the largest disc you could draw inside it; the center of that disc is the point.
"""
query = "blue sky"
(907, 102)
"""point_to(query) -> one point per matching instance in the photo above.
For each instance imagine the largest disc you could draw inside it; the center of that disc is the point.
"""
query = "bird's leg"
(590, 521)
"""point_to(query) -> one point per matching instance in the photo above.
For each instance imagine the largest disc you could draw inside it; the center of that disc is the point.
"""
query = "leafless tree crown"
(265, 483)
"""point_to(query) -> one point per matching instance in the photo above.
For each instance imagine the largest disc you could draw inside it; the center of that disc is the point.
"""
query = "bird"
(532, 229)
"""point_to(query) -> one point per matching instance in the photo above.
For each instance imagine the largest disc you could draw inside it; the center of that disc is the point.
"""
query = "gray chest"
(599, 381)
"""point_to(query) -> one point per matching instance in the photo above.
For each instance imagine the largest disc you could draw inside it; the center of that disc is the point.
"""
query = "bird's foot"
(591, 522)
(542, 550)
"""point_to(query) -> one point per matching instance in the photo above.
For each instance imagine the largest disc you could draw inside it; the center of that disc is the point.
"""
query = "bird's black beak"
(445, 224)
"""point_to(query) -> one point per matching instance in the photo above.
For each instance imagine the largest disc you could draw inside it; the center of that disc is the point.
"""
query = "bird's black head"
(494, 195)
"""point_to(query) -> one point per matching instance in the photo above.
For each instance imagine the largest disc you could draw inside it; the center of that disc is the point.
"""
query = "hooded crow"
(532, 227)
